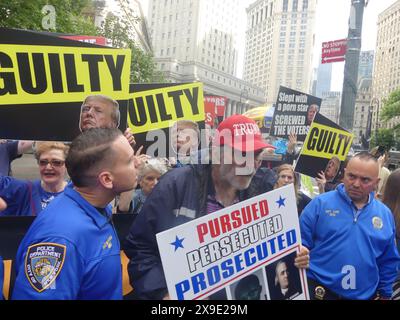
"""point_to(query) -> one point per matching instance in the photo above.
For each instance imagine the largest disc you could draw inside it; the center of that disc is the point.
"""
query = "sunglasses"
(54, 163)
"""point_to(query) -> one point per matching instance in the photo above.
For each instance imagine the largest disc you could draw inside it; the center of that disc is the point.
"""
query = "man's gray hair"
(115, 115)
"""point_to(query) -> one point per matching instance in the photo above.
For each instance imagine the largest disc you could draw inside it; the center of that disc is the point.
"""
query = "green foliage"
(384, 137)
(391, 107)
(27, 14)
(72, 17)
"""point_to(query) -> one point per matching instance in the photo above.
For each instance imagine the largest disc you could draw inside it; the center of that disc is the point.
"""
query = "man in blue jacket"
(189, 192)
(351, 237)
(71, 251)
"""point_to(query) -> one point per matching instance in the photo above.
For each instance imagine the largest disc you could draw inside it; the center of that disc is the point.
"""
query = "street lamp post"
(376, 100)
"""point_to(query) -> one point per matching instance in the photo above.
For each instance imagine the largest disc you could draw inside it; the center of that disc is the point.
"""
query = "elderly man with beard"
(190, 192)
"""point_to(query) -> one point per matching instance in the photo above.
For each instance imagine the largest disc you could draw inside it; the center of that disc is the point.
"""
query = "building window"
(285, 5)
(305, 5)
(294, 6)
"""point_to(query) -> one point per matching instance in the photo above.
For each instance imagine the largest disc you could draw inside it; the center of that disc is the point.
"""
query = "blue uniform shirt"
(71, 251)
(352, 251)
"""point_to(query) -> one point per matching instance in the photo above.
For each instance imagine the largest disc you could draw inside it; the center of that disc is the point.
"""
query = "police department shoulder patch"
(377, 223)
(43, 263)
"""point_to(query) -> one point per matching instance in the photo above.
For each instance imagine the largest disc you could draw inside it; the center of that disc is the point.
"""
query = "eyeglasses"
(54, 163)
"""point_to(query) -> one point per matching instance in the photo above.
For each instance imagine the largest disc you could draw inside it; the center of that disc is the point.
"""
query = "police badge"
(43, 263)
(377, 223)
(320, 293)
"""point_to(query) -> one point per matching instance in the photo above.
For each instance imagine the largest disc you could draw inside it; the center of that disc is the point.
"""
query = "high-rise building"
(324, 77)
(330, 105)
(279, 45)
(197, 40)
(386, 77)
(363, 111)
(366, 65)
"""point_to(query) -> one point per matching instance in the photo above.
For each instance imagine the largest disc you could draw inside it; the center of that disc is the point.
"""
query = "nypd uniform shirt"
(352, 251)
(71, 251)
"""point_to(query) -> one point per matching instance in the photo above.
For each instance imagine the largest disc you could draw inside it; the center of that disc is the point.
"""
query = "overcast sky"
(331, 24)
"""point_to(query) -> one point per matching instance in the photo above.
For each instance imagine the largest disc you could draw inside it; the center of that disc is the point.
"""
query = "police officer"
(72, 251)
(351, 237)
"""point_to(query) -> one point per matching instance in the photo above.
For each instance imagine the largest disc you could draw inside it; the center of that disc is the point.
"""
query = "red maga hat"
(240, 133)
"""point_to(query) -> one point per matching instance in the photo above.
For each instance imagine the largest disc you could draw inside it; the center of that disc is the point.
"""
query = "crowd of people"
(350, 232)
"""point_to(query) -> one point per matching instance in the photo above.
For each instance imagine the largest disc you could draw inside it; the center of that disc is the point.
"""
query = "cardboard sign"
(214, 106)
(44, 80)
(294, 113)
(101, 41)
(227, 252)
(154, 108)
(325, 148)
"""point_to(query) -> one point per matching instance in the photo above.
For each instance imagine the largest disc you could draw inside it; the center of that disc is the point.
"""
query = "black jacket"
(179, 197)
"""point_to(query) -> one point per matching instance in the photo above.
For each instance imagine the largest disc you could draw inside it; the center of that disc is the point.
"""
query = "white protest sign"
(237, 252)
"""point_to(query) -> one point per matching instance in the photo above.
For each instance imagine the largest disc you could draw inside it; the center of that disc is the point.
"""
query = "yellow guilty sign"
(31, 74)
(158, 108)
(324, 142)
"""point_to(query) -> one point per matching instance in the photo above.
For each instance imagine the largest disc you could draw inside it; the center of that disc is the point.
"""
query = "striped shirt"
(214, 205)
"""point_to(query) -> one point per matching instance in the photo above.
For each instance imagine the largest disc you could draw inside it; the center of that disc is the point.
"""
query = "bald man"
(351, 238)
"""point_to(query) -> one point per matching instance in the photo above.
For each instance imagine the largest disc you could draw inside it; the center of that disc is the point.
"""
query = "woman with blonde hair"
(285, 176)
(26, 198)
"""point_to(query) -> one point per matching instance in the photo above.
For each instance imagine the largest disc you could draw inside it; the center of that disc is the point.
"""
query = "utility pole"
(349, 92)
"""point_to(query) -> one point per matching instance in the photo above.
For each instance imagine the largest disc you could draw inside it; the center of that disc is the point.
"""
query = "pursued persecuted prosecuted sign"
(217, 251)
(44, 80)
